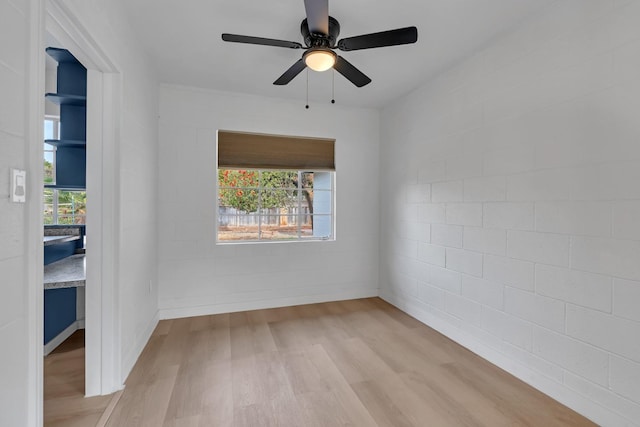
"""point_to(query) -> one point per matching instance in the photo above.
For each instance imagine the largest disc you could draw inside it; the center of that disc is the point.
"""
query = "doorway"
(102, 343)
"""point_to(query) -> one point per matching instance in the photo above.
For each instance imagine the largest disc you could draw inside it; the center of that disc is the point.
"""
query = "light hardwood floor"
(64, 402)
(358, 363)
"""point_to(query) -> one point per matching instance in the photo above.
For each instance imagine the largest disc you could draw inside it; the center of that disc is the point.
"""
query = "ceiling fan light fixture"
(320, 59)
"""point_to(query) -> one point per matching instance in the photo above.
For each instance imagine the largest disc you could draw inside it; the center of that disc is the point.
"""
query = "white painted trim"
(62, 23)
(110, 223)
(204, 310)
(130, 359)
(34, 230)
(61, 337)
(557, 391)
(93, 290)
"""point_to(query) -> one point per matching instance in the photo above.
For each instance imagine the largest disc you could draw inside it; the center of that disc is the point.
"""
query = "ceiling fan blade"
(385, 38)
(352, 74)
(293, 71)
(260, 40)
(317, 16)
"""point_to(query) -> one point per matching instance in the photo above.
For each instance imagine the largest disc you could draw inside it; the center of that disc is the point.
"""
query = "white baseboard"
(579, 403)
(208, 309)
(131, 357)
(59, 339)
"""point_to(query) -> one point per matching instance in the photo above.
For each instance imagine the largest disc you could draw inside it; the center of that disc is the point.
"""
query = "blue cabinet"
(59, 311)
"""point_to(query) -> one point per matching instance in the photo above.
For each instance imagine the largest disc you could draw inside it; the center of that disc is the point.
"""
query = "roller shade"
(261, 151)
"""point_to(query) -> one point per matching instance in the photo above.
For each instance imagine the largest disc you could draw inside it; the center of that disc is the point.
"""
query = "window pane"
(282, 179)
(235, 178)
(49, 165)
(49, 129)
(307, 179)
(278, 227)
(277, 199)
(72, 207)
(48, 207)
(322, 226)
(322, 202)
(238, 226)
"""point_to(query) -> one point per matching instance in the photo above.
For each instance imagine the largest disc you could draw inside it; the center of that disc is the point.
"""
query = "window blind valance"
(262, 151)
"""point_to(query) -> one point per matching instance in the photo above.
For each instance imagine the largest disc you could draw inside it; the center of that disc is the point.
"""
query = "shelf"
(65, 187)
(61, 55)
(65, 142)
(64, 99)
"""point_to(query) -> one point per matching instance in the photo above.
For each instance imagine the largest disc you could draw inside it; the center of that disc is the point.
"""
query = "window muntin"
(274, 205)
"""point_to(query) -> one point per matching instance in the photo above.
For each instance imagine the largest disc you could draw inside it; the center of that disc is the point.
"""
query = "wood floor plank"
(381, 407)
(399, 316)
(248, 338)
(63, 394)
(163, 327)
(340, 390)
(303, 375)
(457, 394)
(348, 363)
(145, 405)
(356, 361)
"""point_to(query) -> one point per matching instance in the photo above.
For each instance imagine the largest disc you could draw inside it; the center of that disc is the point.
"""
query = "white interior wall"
(136, 177)
(511, 205)
(199, 277)
(18, 386)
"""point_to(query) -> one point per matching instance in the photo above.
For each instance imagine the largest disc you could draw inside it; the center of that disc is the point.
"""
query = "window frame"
(299, 199)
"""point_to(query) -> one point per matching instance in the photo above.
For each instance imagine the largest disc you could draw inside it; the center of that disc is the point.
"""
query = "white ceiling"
(183, 39)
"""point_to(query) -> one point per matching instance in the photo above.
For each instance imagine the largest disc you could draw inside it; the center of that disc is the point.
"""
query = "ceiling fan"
(320, 33)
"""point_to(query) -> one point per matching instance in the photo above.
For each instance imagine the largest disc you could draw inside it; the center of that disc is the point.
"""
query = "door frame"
(104, 89)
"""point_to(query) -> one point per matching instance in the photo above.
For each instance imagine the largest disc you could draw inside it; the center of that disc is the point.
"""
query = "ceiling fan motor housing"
(321, 40)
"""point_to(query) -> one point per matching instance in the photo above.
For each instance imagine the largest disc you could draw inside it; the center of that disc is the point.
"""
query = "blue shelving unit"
(71, 96)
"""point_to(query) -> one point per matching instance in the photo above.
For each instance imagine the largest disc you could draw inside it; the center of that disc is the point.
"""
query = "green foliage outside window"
(72, 207)
(251, 190)
(48, 172)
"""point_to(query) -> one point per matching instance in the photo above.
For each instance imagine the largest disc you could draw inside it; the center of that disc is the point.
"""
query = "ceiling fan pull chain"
(307, 106)
(333, 86)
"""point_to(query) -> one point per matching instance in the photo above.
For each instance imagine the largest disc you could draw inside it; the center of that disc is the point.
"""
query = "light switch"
(18, 186)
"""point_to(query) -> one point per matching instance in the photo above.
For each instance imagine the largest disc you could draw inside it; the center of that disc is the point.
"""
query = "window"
(274, 205)
(60, 206)
(262, 197)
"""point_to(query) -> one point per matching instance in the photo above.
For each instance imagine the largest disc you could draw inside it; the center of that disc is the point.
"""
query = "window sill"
(263, 242)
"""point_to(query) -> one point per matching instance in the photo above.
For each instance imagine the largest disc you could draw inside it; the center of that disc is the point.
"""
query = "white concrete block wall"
(198, 276)
(530, 154)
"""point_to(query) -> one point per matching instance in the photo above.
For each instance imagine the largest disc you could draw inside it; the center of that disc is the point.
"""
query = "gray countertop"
(52, 240)
(67, 273)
